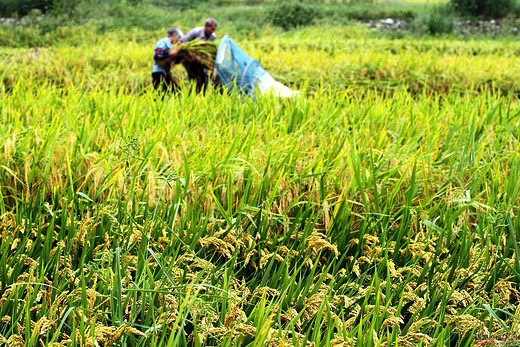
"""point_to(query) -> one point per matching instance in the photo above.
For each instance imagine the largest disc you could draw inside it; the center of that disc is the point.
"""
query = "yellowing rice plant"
(380, 208)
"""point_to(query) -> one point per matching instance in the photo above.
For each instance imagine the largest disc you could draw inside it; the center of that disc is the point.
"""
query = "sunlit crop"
(379, 208)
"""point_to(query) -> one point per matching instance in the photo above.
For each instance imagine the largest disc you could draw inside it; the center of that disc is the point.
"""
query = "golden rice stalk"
(317, 242)
(41, 328)
(55, 307)
(205, 51)
(417, 325)
(264, 259)
(290, 315)
(21, 328)
(392, 322)
(248, 256)
(64, 343)
(414, 339)
(375, 337)
(418, 302)
(4, 297)
(465, 324)
(220, 246)
(504, 289)
(313, 305)
(201, 52)
(462, 298)
(260, 291)
(342, 342)
(15, 341)
(234, 316)
(115, 335)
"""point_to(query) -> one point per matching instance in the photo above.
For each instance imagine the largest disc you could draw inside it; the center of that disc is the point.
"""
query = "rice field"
(378, 209)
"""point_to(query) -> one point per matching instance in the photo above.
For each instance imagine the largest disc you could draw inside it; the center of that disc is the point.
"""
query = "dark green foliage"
(438, 20)
(484, 8)
(293, 14)
(178, 4)
(23, 7)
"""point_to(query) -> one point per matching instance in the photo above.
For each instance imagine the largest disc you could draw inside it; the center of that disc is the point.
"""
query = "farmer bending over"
(161, 74)
(195, 70)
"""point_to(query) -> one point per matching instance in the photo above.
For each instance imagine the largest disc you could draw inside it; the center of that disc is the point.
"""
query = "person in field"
(196, 72)
(205, 33)
(161, 74)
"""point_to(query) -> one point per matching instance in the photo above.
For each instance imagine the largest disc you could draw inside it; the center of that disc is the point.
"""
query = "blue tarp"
(236, 69)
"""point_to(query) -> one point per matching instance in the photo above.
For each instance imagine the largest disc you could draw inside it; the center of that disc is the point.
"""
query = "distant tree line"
(20, 8)
(23, 7)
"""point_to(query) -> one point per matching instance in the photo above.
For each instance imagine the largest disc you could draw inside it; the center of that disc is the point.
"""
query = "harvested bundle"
(201, 52)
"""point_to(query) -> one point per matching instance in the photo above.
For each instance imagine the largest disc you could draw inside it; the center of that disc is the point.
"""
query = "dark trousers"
(199, 74)
(163, 81)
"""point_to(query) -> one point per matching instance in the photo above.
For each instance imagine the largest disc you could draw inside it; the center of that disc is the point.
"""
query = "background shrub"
(438, 20)
(23, 7)
(292, 14)
(484, 8)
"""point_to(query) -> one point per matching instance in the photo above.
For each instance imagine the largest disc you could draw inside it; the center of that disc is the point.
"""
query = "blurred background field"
(379, 208)
(332, 58)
